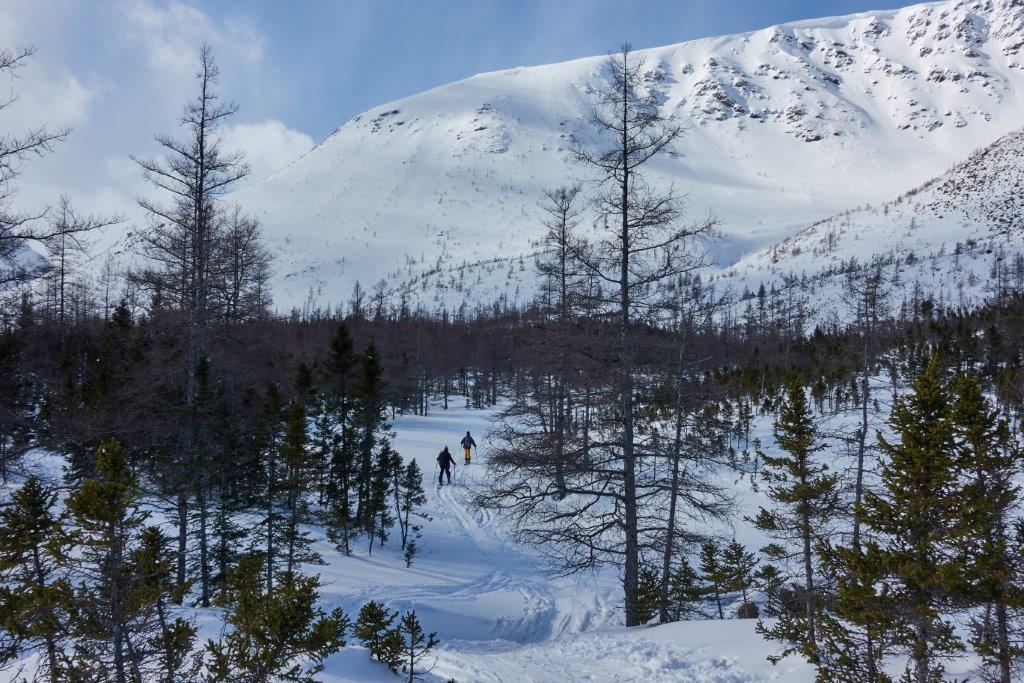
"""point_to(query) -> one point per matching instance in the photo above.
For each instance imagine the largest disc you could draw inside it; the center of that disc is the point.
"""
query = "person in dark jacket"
(467, 444)
(445, 460)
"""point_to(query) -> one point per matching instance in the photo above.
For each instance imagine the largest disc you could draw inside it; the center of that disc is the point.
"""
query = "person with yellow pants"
(467, 445)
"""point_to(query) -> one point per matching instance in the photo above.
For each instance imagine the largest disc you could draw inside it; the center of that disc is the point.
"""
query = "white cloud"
(170, 33)
(46, 91)
(117, 74)
(268, 145)
(246, 38)
(58, 99)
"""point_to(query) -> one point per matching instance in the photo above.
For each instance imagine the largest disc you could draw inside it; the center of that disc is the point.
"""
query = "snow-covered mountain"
(956, 239)
(786, 125)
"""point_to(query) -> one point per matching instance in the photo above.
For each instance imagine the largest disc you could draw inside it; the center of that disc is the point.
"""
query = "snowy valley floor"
(499, 616)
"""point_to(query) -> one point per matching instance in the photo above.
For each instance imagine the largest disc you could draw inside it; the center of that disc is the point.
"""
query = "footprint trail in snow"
(499, 616)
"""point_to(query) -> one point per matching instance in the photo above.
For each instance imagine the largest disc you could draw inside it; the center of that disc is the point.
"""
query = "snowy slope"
(22, 259)
(786, 125)
(948, 236)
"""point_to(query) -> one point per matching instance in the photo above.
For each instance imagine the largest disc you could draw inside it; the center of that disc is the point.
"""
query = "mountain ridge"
(786, 125)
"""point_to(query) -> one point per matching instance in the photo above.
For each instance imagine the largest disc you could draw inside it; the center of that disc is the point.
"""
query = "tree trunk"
(808, 574)
(293, 530)
(403, 519)
(271, 492)
(204, 554)
(631, 571)
(921, 663)
(51, 645)
(862, 436)
(371, 531)
(182, 567)
(563, 321)
(666, 561)
(869, 648)
(1003, 639)
(117, 618)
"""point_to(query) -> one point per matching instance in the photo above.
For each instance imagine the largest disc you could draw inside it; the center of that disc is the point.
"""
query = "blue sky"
(118, 71)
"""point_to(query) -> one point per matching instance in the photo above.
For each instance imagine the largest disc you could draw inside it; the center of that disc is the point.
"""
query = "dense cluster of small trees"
(90, 587)
(937, 537)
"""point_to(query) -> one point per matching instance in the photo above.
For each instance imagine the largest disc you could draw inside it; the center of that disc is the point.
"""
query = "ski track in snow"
(509, 574)
(499, 616)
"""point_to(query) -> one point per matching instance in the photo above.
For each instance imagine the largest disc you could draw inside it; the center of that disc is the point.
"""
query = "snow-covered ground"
(946, 239)
(499, 616)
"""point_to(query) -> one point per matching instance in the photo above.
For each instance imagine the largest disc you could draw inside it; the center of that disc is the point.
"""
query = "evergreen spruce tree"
(229, 533)
(377, 506)
(805, 497)
(368, 389)
(375, 629)
(684, 591)
(321, 444)
(271, 473)
(274, 636)
(338, 399)
(304, 383)
(416, 645)
(341, 361)
(738, 566)
(918, 517)
(860, 628)
(769, 580)
(410, 552)
(648, 592)
(228, 472)
(121, 317)
(340, 515)
(713, 574)
(297, 478)
(990, 461)
(409, 495)
(121, 602)
(172, 642)
(35, 593)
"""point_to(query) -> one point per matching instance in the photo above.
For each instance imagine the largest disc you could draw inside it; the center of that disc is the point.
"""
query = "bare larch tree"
(195, 172)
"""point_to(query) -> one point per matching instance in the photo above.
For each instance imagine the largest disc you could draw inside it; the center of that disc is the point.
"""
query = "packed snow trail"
(468, 582)
(499, 616)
